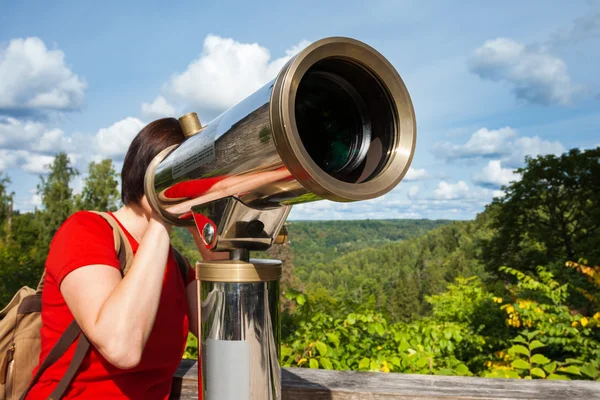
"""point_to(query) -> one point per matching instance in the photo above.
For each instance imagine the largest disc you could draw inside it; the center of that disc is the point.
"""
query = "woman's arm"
(115, 313)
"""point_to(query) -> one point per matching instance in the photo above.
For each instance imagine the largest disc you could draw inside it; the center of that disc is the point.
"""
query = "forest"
(514, 293)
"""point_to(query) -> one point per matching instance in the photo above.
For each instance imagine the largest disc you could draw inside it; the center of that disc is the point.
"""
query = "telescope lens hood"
(343, 121)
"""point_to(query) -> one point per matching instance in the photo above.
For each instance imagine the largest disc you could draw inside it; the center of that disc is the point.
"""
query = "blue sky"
(490, 82)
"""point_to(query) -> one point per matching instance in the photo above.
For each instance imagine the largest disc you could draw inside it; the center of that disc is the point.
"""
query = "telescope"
(337, 123)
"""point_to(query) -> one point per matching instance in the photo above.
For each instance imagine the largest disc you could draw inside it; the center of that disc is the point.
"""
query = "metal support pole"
(239, 329)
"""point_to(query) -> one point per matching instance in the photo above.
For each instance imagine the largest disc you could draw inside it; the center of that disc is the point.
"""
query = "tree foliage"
(551, 214)
(24, 240)
(57, 196)
(100, 191)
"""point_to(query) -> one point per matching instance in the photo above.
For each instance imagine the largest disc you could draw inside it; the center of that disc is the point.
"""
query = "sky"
(491, 83)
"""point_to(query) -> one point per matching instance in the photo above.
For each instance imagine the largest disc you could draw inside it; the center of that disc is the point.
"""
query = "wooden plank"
(300, 383)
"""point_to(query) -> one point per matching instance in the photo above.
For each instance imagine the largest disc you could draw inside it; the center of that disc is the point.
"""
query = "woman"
(137, 324)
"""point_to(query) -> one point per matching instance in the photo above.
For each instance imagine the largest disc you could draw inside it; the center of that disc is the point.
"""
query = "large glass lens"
(344, 119)
(329, 122)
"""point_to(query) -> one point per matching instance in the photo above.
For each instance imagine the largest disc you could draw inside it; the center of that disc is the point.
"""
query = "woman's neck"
(134, 219)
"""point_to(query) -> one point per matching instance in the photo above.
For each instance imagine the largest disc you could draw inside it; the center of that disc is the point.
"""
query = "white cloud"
(413, 192)
(159, 108)
(498, 193)
(533, 146)
(416, 174)
(36, 200)
(114, 141)
(452, 201)
(533, 74)
(34, 77)
(53, 141)
(32, 136)
(8, 159)
(451, 191)
(226, 72)
(483, 143)
(36, 163)
(504, 144)
(15, 133)
(494, 175)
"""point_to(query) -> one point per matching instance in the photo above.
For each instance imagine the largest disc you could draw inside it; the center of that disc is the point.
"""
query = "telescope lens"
(344, 120)
(328, 121)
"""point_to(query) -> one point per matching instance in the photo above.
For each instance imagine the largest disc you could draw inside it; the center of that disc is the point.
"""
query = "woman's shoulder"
(85, 238)
(85, 220)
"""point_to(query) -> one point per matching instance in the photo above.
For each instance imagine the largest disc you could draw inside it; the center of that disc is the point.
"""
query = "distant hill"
(395, 277)
(323, 241)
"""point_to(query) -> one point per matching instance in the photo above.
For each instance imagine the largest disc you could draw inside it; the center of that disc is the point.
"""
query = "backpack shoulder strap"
(122, 246)
(182, 264)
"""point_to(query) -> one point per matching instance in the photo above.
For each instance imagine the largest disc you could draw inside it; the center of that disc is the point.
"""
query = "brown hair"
(151, 140)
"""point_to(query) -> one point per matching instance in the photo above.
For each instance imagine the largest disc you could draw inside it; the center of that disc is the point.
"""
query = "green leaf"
(364, 363)
(589, 370)
(463, 370)
(571, 369)
(520, 339)
(322, 347)
(403, 346)
(531, 335)
(374, 366)
(395, 361)
(285, 351)
(550, 368)
(314, 364)
(536, 344)
(538, 372)
(301, 299)
(422, 362)
(519, 348)
(511, 374)
(379, 329)
(445, 371)
(540, 359)
(556, 377)
(573, 361)
(520, 364)
(326, 363)
(335, 339)
(351, 318)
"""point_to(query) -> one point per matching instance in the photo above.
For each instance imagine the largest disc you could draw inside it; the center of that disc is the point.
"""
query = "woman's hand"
(156, 218)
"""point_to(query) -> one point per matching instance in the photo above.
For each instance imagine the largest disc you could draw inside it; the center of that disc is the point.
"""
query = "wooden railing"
(299, 383)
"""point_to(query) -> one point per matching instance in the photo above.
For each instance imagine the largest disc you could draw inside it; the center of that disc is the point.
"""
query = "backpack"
(20, 324)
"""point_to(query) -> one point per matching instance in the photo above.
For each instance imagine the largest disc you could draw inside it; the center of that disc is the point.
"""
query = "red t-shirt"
(87, 239)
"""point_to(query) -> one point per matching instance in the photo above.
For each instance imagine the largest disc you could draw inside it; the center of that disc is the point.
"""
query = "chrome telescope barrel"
(337, 123)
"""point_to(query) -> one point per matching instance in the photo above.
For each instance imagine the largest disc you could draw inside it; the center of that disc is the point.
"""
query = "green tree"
(100, 190)
(552, 214)
(57, 196)
(6, 199)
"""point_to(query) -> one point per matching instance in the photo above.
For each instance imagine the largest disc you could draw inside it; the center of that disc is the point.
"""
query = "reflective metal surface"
(239, 226)
(256, 152)
(241, 316)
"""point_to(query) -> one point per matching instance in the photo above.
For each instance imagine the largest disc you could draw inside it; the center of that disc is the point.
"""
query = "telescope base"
(239, 330)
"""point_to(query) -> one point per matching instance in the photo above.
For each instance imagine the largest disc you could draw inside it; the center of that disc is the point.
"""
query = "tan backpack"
(20, 324)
